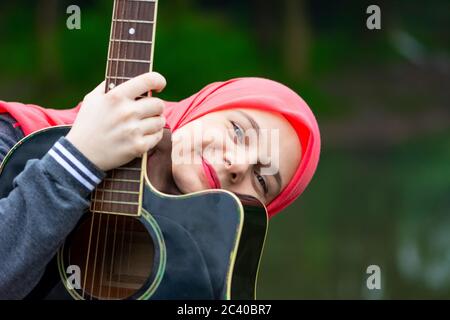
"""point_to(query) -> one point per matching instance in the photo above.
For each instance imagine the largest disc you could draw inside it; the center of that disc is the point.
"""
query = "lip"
(211, 174)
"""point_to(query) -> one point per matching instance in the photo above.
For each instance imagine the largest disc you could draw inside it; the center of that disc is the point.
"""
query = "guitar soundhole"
(115, 255)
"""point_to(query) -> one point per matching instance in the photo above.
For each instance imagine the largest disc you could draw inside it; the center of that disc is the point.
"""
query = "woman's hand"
(112, 129)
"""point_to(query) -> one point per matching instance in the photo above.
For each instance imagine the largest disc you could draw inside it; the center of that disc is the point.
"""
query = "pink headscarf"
(261, 94)
(256, 93)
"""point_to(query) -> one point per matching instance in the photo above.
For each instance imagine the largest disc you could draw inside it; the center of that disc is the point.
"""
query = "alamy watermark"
(73, 281)
(74, 20)
(374, 20)
(373, 281)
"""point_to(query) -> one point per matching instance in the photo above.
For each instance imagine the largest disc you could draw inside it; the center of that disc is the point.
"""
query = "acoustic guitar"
(136, 242)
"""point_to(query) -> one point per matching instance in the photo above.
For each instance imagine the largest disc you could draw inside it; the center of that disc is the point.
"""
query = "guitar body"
(136, 242)
(205, 245)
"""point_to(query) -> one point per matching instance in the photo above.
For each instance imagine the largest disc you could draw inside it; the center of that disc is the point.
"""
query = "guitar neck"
(130, 54)
(131, 43)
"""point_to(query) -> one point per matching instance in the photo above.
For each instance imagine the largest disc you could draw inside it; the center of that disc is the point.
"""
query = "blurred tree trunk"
(296, 38)
(265, 13)
(46, 34)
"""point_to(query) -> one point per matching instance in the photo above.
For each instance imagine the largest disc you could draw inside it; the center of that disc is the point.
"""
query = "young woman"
(257, 137)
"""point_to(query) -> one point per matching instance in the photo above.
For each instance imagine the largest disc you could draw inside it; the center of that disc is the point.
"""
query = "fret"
(131, 41)
(126, 69)
(129, 60)
(136, 10)
(134, 21)
(111, 207)
(118, 191)
(115, 184)
(118, 78)
(116, 213)
(115, 202)
(117, 196)
(134, 51)
(123, 174)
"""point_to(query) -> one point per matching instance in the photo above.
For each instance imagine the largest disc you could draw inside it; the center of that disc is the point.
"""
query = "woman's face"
(245, 151)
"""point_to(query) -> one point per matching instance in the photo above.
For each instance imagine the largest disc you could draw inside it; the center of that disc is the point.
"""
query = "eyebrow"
(278, 180)
(252, 121)
(256, 127)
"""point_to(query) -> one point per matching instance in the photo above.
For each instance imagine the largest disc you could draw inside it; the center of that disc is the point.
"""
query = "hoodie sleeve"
(48, 198)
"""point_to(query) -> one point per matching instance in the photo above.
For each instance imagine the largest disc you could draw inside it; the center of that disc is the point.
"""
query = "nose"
(236, 170)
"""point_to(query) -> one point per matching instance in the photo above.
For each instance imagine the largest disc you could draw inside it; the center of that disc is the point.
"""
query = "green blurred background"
(381, 194)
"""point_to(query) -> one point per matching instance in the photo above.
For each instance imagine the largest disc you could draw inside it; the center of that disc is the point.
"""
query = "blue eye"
(238, 131)
(262, 182)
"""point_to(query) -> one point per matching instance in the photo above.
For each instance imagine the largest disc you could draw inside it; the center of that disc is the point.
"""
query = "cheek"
(186, 178)
(185, 140)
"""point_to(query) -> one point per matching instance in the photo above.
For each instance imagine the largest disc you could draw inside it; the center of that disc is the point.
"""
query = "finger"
(152, 140)
(149, 107)
(152, 125)
(141, 84)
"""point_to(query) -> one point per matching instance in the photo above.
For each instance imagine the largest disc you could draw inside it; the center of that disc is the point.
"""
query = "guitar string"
(95, 201)
(106, 232)
(103, 184)
(111, 182)
(96, 251)
(132, 218)
(111, 269)
(105, 242)
(112, 260)
(88, 251)
(102, 202)
(113, 171)
(125, 46)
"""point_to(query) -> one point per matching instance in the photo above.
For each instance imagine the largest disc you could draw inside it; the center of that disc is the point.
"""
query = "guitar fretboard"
(130, 54)
(131, 41)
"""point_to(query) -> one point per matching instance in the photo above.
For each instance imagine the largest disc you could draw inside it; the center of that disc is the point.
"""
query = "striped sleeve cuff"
(81, 169)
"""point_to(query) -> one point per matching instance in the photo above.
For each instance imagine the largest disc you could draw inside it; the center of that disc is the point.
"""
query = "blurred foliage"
(388, 208)
(376, 198)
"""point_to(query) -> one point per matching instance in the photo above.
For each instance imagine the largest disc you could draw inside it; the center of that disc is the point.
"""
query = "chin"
(187, 183)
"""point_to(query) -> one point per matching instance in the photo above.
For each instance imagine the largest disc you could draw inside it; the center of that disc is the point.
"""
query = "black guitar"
(136, 242)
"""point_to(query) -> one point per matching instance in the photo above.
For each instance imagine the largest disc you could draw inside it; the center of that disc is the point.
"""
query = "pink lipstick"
(210, 174)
